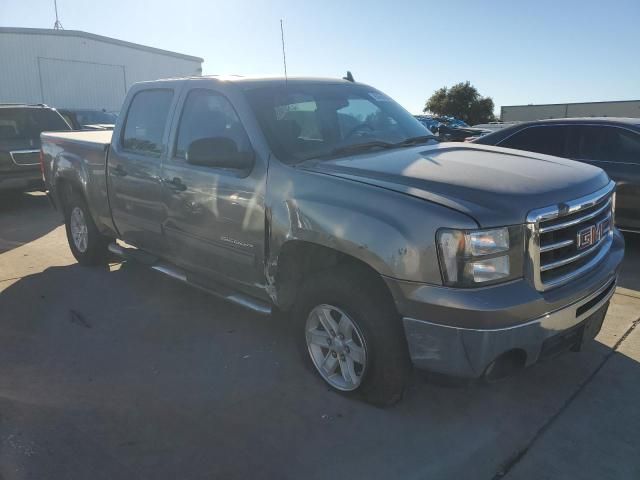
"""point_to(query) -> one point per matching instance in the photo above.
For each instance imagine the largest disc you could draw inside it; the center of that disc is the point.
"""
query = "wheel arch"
(299, 259)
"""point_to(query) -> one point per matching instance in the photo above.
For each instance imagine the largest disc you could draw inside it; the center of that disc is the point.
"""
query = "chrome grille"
(25, 157)
(566, 240)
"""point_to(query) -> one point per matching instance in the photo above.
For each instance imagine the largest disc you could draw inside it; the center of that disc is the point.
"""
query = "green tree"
(461, 101)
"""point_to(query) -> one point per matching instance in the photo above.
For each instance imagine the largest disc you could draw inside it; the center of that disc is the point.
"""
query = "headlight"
(479, 257)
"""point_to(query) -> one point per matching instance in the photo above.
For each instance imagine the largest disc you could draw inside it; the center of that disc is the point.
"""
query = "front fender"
(393, 233)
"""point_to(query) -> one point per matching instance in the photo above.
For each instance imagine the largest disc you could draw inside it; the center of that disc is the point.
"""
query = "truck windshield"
(302, 121)
(28, 123)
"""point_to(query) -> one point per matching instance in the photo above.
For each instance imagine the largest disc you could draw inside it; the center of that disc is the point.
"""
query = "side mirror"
(220, 152)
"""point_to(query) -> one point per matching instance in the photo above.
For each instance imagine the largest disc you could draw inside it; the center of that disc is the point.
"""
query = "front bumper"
(461, 332)
(21, 181)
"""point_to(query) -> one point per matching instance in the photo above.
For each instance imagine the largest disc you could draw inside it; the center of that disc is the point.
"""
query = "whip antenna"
(58, 24)
(284, 55)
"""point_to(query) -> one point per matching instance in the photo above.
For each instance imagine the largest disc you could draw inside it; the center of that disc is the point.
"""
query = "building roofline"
(99, 38)
(569, 103)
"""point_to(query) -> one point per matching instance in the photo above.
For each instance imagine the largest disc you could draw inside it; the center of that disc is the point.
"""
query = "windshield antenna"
(284, 56)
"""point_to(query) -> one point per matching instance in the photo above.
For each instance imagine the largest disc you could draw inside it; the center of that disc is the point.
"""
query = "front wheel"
(87, 245)
(350, 332)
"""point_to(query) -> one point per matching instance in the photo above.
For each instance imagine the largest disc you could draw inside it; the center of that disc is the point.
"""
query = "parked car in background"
(612, 144)
(428, 121)
(20, 129)
(455, 130)
(450, 129)
(327, 200)
(494, 126)
(83, 119)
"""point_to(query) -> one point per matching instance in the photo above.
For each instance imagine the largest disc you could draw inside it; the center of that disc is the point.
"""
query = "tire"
(375, 335)
(87, 245)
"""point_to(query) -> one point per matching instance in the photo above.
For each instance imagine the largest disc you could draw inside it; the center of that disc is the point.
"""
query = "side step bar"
(246, 301)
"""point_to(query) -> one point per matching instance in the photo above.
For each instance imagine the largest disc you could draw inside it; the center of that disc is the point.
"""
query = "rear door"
(215, 216)
(138, 147)
(617, 151)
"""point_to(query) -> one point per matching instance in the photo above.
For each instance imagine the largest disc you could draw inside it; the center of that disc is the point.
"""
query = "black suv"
(612, 144)
(20, 128)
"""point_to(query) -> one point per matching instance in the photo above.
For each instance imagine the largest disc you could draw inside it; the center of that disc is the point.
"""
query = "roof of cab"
(255, 80)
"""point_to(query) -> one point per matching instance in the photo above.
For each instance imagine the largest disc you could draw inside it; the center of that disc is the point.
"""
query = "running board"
(176, 273)
(132, 253)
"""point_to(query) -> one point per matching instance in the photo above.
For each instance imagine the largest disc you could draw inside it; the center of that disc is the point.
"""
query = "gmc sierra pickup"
(327, 200)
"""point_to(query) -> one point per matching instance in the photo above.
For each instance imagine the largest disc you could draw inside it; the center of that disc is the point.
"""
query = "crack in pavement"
(515, 459)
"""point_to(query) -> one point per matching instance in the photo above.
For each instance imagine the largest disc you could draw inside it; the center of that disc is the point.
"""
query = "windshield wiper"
(361, 147)
(415, 140)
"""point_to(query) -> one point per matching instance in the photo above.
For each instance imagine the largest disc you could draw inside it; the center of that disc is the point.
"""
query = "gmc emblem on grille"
(593, 234)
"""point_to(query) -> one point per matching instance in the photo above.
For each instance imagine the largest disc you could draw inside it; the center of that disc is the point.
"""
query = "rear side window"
(207, 114)
(606, 143)
(548, 140)
(28, 123)
(146, 120)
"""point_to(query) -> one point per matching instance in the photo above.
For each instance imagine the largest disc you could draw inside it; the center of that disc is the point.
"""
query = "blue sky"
(517, 52)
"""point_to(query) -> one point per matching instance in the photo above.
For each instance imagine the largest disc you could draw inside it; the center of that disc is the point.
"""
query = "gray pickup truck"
(327, 200)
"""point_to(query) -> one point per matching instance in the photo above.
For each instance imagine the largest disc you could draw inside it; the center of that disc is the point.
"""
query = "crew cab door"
(214, 194)
(617, 151)
(133, 167)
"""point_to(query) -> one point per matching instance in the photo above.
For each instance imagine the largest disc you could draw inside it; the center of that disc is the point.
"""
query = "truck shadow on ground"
(123, 373)
(25, 217)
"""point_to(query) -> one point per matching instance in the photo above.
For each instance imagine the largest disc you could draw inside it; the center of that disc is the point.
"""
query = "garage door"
(75, 84)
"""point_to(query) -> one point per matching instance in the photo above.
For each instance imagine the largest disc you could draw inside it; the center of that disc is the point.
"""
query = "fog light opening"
(506, 365)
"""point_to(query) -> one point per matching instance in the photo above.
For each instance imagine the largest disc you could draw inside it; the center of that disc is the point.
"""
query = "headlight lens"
(478, 257)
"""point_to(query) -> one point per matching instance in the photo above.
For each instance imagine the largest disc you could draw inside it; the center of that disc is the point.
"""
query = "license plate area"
(575, 338)
(592, 325)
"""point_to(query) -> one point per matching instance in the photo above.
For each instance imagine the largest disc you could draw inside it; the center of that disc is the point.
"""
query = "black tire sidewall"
(388, 364)
(96, 252)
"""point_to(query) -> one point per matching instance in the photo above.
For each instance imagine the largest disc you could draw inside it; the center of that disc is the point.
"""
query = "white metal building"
(523, 113)
(73, 69)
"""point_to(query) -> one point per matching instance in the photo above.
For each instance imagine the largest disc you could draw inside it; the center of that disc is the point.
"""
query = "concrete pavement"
(123, 373)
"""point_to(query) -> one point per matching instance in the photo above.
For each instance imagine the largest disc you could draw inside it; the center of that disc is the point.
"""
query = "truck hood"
(496, 186)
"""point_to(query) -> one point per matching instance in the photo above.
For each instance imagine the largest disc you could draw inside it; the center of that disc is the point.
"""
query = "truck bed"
(79, 158)
(100, 137)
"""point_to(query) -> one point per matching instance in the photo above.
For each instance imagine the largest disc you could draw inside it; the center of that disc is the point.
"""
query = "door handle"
(175, 184)
(119, 171)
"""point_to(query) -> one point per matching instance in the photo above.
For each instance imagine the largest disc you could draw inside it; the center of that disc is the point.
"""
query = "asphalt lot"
(123, 373)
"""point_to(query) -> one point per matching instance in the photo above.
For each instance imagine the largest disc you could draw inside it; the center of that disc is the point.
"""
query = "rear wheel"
(87, 245)
(349, 331)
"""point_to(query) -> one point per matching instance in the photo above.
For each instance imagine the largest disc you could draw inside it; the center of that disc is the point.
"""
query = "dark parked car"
(454, 130)
(89, 119)
(612, 144)
(20, 129)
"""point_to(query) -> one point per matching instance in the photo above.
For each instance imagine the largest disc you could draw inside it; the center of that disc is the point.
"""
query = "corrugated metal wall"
(76, 72)
(589, 109)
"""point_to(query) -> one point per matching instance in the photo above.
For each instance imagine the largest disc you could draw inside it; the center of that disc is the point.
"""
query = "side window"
(628, 146)
(607, 143)
(207, 114)
(548, 140)
(146, 120)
